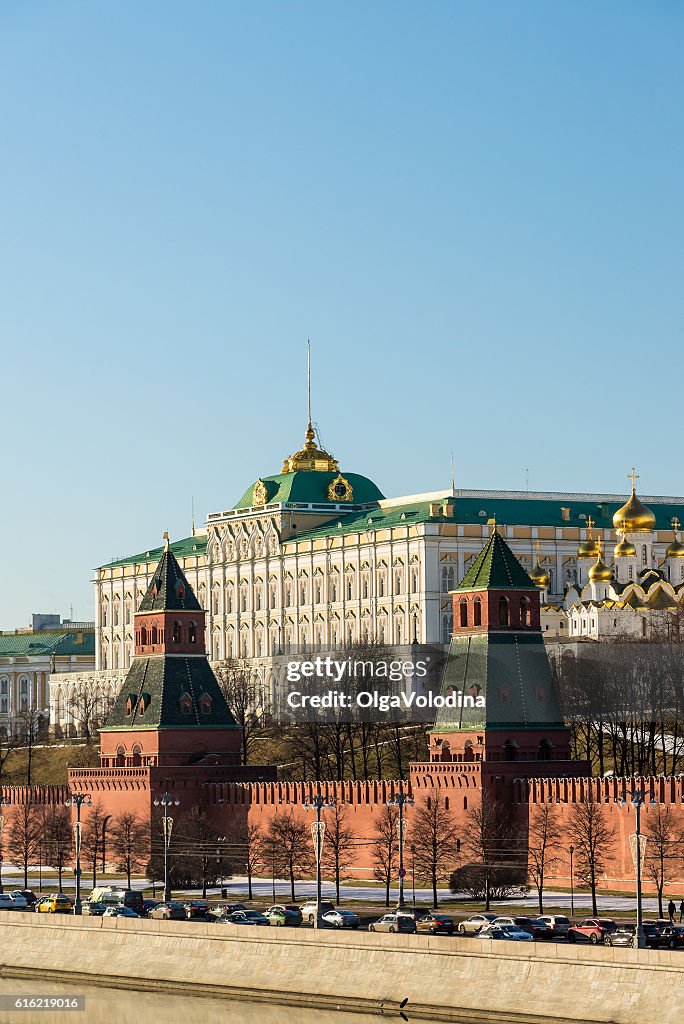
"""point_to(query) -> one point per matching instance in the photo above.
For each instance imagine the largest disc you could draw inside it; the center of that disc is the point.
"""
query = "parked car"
(509, 932)
(558, 924)
(537, 929)
(28, 894)
(308, 909)
(114, 896)
(19, 900)
(55, 903)
(254, 916)
(473, 924)
(225, 909)
(342, 919)
(93, 908)
(283, 916)
(6, 901)
(171, 911)
(149, 905)
(434, 924)
(672, 935)
(239, 917)
(593, 929)
(393, 923)
(196, 909)
(120, 912)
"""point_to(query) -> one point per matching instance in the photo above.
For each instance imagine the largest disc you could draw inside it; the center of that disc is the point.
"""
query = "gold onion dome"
(588, 548)
(540, 577)
(675, 549)
(599, 572)
(625, 549)
(634, 516)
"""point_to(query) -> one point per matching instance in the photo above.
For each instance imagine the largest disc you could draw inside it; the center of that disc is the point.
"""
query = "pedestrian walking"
(672, 910)
(681, 911)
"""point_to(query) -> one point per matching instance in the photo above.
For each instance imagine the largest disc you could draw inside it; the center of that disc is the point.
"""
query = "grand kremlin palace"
(318, 556)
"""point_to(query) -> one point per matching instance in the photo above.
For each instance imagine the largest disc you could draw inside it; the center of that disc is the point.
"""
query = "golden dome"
(588, 548)
(625, 549)
(634, 517)
(310, 457)
(540, 576)
(675, 549)
(599, 572)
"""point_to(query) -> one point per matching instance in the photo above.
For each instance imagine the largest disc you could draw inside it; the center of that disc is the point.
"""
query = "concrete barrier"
(449, 979)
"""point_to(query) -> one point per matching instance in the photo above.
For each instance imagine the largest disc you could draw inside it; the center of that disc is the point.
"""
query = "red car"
(593, 930)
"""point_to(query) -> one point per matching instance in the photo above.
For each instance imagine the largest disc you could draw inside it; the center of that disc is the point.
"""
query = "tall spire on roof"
(310, 457)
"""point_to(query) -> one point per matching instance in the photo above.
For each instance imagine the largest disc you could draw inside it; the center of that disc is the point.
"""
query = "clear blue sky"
(473, 210)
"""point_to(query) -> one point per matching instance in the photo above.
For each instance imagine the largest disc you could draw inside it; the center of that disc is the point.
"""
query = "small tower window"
(137, 758)
(130, 703)
(180, 590)
(120, 757)
(477, 612)
(192, 633)
(177, 633)
(504, 694)
(205, 704)
(154, 635)
(464, 612)
(524, 611)
(503, 611)
(185, 703)
(143, 636)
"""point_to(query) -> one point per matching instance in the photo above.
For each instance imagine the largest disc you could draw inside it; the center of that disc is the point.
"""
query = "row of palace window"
(24, 694)
(240, 647)
(301, 591)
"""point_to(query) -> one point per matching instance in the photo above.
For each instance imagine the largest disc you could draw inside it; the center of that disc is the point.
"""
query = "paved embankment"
(442, 978)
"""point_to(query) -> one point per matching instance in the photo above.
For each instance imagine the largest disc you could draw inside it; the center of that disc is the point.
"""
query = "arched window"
(477, 612)
(545, 751)
(510, 750)
(120, 757)
(464, 611)
(503, 611)
(137, 759)
(177, 633)
(524, 611)
(644, 555)
(192, 633)
(154, 635)
(143, 636)
(468, 751)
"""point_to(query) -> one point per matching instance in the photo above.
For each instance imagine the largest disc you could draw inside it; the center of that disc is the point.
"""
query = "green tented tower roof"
(496, 568)
(169, 590)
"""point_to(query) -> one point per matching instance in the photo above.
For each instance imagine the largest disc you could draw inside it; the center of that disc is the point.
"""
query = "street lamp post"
(220, 840)
(638, 800)
(77, 800)
(413, 872)
(3, 801)
(401, 800)
(318, 802)
(572, 885)
(166, 801)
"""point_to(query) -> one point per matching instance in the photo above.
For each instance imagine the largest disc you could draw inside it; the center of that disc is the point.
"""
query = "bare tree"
(492, 841)
(544, 843)
(663, 844)
(91, 837)
(246, 850)
(338, 848)
(593, 839)
(386, 847)
(32, 727)
(8, 744)
(288, 845)
(57, 838)
(201, 844)
(22, 840)
(129, 837)
(242, 697)
(89, 704)
(435, 841)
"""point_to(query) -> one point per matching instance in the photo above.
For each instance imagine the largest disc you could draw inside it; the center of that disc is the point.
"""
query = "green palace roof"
(187, 548)
(496, 568)
(42, 644)
(310, 487)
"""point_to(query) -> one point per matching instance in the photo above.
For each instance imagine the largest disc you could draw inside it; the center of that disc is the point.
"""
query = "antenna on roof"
(308, 375)
(453, 478)
(192, 500)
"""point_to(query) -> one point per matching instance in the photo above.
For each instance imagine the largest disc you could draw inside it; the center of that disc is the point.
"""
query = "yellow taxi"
(55, 903)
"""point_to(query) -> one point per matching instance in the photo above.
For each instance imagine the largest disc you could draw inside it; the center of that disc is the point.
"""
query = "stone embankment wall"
(443, 978)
